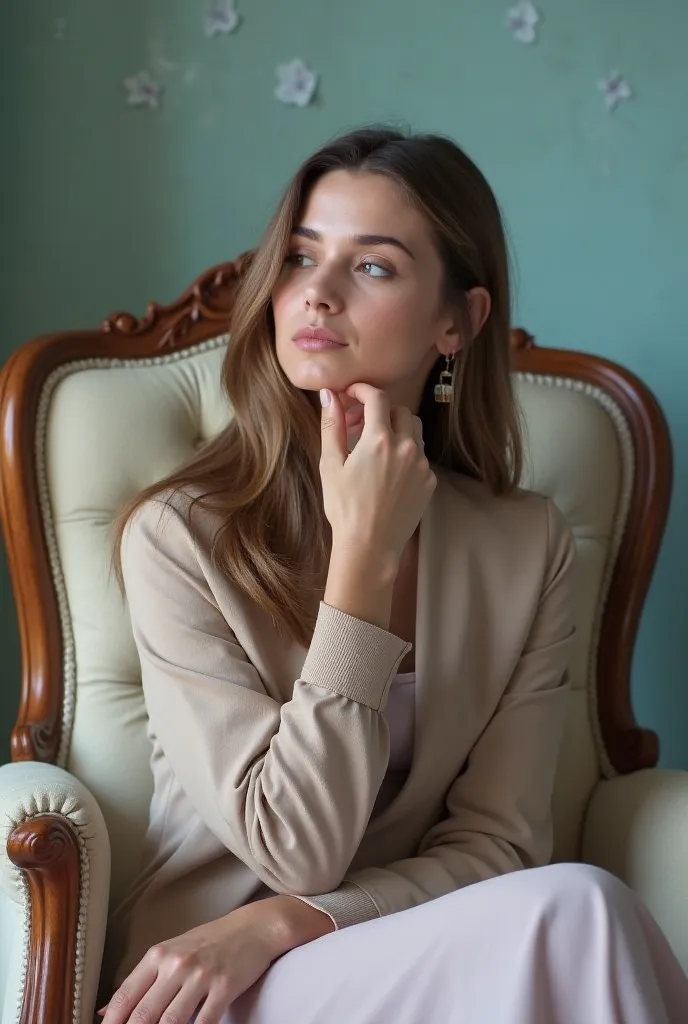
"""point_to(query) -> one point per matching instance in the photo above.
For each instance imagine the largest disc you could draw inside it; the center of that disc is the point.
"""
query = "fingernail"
(101, 1013)
(325, 397)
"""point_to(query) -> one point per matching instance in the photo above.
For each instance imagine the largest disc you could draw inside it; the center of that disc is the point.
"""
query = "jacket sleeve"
(288, 788)
(499, 808)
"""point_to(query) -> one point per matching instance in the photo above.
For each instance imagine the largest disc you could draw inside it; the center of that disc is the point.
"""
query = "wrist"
(295, 923)
(362, 585)
(379, 568)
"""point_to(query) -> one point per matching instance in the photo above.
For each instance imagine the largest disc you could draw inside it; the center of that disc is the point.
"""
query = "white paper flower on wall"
(523, 20)
(297, 83)
(221, 18)
(615, 89)
(143, 91)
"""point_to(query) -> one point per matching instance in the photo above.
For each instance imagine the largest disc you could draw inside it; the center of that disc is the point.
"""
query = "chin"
(314, 378)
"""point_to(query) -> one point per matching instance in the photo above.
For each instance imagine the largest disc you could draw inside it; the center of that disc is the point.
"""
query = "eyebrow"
(316, 236)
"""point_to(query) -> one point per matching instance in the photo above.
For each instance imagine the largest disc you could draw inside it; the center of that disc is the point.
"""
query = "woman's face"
(362, 267)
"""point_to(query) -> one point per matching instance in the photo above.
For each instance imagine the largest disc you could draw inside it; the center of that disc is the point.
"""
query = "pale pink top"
(400, 715)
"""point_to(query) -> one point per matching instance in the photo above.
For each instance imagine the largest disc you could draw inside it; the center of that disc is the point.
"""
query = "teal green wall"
(104, 207)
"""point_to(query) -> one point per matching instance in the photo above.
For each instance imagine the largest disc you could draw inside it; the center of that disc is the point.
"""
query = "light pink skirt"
(564, 944)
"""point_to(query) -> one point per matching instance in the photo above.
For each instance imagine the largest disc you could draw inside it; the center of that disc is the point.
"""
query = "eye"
(299, 259)
(371, 269)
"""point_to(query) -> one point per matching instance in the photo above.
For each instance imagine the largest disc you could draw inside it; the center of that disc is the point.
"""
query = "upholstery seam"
(623, 503)
(608, 404)
(49, 385)
(627, 466)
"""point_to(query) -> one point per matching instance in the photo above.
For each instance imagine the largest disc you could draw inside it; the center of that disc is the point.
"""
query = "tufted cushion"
(111, 427)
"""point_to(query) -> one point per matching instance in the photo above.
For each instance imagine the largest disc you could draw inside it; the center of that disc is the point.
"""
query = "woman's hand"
(209, 967)
(374, 497)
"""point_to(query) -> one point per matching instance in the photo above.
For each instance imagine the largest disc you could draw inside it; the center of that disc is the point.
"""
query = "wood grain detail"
(204, 311)
(201, 313)
(46, 849)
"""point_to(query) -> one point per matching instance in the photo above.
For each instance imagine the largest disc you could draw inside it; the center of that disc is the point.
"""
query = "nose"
(321, 294)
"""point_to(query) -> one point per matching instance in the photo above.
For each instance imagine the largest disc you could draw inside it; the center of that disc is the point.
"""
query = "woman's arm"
(212, 965)
(287, 788)
(499, 809)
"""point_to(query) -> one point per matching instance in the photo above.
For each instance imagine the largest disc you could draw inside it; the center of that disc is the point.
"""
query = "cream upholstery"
(33, 788)
(593, 494)
(139, 421)
(637, 828)
(107, 428)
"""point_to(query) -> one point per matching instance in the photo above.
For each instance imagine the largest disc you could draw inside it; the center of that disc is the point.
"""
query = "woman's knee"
(562, 891)
(567, 883)
(583, 876)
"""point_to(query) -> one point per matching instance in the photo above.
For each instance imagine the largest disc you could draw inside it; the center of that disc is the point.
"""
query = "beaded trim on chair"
(75, 816)
(68, 657)
(51, 382)
(23, 885)
(618, 527)
(69, 664)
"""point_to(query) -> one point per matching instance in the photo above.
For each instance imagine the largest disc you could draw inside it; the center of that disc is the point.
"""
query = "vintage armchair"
(87, 419)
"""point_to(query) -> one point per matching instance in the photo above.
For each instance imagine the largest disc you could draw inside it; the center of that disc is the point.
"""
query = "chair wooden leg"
(46, 850)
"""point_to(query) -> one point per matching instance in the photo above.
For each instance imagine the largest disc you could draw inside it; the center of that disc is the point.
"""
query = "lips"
(313, 345)
(316, 338)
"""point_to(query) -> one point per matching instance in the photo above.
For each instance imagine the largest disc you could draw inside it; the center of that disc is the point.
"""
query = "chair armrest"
(636, 826)
(55, 864)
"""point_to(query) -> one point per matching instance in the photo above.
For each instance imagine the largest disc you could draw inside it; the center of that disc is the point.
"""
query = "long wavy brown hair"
(260, 475)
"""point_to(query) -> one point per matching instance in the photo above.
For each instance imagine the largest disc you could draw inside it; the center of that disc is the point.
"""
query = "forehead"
(358, 202)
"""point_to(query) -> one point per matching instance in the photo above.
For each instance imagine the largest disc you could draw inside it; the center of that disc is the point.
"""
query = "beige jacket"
(268, 757)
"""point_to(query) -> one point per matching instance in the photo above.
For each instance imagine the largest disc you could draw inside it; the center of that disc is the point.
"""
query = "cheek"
(398, 329)
(282, 301)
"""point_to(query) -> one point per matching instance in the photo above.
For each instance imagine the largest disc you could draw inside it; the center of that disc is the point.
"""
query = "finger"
(214, 1008)
(402, 420)
(375, 405)
(354, 415)
(186, 1002)
(333, 427)
(156, 1000)
(130, 992)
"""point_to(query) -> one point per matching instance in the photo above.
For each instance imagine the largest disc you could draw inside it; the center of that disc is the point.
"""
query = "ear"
(479, 306)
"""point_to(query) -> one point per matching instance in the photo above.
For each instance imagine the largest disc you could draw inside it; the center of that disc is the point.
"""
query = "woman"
(354, 632)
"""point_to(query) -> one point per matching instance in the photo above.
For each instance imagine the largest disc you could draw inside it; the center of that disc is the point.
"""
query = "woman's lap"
(542, 945)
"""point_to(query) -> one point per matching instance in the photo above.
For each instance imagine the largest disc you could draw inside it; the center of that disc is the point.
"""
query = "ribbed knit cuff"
(352, 657)
(347, 905)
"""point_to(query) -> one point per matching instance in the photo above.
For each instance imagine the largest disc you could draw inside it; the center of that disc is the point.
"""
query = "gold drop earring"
(444, 389)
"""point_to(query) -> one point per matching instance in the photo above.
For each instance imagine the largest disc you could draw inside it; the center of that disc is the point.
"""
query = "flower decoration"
(221, 18)
(615, 89)
(297, 83)
(143, 91)
(523, 20)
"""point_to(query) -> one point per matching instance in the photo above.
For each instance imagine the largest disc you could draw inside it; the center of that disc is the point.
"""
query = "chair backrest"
(90, 418)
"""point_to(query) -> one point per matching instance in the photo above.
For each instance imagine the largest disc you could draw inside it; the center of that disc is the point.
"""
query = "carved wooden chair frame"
(45, 847)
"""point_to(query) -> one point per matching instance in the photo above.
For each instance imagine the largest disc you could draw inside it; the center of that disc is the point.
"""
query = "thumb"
(333, 427)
